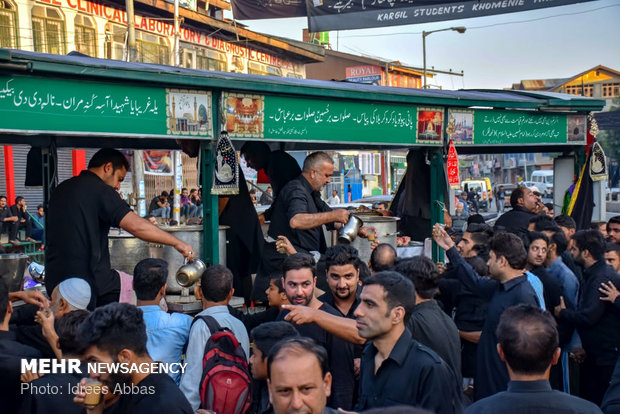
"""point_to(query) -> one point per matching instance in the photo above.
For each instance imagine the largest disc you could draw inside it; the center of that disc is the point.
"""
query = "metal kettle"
(349, 231)
(190, 272)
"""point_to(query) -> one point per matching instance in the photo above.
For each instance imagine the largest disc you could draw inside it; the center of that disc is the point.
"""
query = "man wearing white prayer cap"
(71, 294)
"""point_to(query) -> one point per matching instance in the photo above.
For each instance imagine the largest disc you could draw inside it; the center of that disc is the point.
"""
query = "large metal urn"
(127, 250)
(386, 233)
(12, 267)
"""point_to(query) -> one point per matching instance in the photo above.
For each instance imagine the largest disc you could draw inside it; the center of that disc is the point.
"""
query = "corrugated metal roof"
(94, 68)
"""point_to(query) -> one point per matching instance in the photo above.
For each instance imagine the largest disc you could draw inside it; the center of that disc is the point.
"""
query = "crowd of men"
(523, 317)
(16, 217)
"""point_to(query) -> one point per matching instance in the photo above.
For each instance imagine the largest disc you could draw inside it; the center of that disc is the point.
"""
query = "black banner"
(326, 15)
(267, 9)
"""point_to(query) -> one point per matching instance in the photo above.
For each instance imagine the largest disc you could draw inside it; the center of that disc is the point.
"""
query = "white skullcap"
(75, 291)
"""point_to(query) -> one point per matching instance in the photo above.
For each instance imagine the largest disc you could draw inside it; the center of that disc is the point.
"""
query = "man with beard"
(299, 214)
(395, 368)
(299, 280)
(537, 250)
(116, 333)
(517, 220)
(613, 229)
(507, 286)
(596, 320)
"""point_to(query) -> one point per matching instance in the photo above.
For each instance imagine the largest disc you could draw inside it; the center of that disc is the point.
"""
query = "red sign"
(362, 71)
(453, 167)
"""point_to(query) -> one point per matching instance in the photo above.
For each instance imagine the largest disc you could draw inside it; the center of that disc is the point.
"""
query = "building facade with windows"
(598, 82)
(99, 29)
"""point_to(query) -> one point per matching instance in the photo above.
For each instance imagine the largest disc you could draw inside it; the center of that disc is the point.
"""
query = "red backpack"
(225, 381)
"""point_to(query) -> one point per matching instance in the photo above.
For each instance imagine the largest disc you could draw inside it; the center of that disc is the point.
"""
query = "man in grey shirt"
(215, 291)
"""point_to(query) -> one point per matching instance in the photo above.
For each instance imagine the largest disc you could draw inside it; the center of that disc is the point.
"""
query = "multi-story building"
(99, 28)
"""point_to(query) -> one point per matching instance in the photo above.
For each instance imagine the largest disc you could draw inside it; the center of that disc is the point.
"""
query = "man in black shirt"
(508, 286)
(80, 214)
(66, 328)
(528, 344)
(23, 218)
(429, 324)
(517, 220)
(11, 353)
(596, 320)
(8, 221)
(264, 337)
(299, 282)
(568, 225)
(396, 369)
(299, 214)
(117, 333)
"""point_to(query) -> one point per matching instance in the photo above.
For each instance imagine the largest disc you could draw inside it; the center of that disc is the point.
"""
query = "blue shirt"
(568, 280)
(198, 337)
(167, 335)
(538, 288)
(532, 397)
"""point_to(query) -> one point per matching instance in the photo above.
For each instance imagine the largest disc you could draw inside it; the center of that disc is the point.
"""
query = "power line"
(490, 25)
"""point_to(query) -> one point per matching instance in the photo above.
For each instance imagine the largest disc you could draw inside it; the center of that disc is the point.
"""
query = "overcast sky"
(495, 51)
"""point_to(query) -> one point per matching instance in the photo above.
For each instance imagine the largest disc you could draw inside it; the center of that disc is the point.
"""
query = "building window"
(8, 28)
(85, 38)
(201, 58)
(48, 30)
(261, 69)
(610, 90)
(152, 48)
(115, 41)
(581, 90)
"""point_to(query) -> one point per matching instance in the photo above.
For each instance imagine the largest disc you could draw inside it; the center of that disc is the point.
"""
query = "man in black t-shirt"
(299, 214)
(299, 281)
(117, 333)
(80, 213)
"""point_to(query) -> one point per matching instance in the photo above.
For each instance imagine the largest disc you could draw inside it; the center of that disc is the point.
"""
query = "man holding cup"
(116, 333)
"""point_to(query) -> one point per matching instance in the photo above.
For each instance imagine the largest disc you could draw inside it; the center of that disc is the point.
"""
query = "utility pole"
(177, 54)
(132, 55)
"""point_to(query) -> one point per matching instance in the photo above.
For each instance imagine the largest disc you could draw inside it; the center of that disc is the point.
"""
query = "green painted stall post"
(210, 221)
(437, 200)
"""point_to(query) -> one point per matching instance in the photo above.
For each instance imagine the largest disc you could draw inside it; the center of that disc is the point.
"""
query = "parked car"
(543, 179)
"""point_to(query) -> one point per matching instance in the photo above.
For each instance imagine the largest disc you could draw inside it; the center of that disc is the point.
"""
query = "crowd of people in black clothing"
(523, 317)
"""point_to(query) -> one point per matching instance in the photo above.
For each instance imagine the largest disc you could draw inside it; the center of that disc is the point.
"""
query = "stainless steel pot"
(127, 250)
(348, 232)
(12, 267)
(386, 233)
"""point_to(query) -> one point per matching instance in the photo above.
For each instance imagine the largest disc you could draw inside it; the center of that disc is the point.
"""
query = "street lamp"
(459, 29)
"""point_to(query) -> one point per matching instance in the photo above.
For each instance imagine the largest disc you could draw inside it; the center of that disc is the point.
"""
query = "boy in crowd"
(167, 333)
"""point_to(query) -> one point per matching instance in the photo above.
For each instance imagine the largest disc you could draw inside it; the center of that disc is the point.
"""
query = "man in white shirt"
(334, 199)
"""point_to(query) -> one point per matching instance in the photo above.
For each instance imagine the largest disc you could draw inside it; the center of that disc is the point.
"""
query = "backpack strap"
(211, 323)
